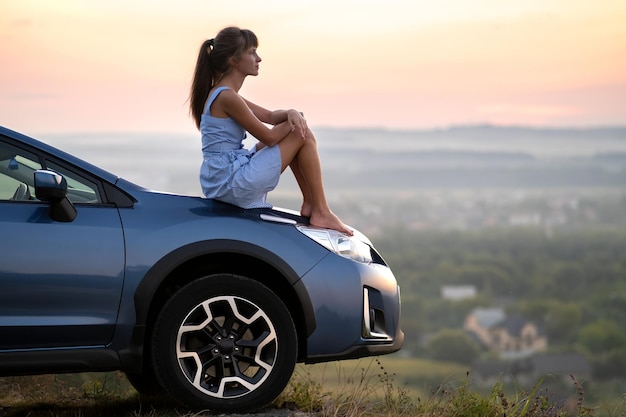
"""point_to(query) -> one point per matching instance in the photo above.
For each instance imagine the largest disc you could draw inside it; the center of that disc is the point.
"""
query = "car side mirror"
(52, 187)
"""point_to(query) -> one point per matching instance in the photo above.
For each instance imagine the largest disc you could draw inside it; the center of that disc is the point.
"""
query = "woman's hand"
(297, 122)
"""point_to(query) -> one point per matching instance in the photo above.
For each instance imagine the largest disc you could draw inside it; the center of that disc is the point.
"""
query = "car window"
(79, 189)
(17, 169)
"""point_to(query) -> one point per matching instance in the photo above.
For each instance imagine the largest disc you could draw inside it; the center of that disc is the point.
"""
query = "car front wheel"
(226, 343)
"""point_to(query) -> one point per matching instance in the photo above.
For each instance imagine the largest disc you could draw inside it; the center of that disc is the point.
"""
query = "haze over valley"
(458, 177)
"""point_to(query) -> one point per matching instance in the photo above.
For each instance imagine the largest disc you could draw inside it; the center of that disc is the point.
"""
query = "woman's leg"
(303, 157)
(305, 210)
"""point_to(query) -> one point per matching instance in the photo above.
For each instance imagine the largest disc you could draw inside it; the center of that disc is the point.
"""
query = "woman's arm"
(271, 117)
(295, 118)
(252, 118)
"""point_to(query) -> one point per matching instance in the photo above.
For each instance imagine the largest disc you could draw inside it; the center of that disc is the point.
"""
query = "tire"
(224, 343)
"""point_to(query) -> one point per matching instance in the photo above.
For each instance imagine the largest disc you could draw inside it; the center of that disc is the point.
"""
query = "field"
(380, 386)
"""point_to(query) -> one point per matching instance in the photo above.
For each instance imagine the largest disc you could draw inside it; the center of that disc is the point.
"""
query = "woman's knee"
(294, 142)
(297, 137)
(309, 136)
(297, 141)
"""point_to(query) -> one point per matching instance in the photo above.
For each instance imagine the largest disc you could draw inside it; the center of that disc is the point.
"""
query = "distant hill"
(475, 156)
(540, 142)
(361, 159)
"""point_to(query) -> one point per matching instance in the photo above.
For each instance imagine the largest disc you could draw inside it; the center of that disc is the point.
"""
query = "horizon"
(350, 156)
(443, 128)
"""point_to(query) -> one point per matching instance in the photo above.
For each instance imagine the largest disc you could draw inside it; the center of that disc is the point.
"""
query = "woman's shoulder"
(224, 94)
(219, 98)
(230, 102)
(218, 91)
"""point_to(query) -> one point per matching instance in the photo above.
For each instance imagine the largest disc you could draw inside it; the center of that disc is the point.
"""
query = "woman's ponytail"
(203, 79)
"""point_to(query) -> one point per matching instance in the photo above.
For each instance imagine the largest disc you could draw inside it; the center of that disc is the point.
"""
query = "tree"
(452, 345)
(562, 321)
(602, 336)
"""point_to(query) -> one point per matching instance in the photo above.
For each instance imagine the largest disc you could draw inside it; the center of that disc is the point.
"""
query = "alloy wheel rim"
(226, 347)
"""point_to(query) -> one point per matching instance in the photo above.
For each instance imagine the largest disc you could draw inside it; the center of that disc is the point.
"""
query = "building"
(458, 292)
(509, 336)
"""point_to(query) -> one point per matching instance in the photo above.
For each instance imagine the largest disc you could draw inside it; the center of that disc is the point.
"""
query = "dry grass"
(365, 388)
(84, 395)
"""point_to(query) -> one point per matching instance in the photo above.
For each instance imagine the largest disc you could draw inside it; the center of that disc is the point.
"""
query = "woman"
(236, 175)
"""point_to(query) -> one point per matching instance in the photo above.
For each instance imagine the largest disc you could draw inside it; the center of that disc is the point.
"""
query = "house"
(458, 292)
(509, 336)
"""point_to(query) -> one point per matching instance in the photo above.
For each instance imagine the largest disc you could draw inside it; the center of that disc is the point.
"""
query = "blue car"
(209, 303)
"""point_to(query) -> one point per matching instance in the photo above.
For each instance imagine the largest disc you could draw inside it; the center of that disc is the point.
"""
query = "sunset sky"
(126, 66)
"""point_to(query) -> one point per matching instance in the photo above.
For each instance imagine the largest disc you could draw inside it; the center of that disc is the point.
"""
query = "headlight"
(351, 247)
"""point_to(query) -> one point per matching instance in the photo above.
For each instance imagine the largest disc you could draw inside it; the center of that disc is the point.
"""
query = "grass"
(369, 389)
(365, 388)
(78, 395)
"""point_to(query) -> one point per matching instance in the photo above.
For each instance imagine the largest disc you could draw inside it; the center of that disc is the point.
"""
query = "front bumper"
(357, 310)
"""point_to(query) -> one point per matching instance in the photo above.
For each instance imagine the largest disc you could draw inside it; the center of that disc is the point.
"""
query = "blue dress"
(229, 172)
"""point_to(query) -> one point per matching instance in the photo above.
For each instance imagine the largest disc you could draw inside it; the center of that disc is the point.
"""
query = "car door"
(60, 282)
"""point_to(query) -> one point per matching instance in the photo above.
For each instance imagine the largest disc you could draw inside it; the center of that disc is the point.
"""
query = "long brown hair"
(213, 63)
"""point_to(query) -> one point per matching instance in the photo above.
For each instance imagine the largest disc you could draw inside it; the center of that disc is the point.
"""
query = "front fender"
(160, 271)
(132, 357)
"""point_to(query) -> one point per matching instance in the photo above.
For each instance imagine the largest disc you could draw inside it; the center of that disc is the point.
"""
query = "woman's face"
(248, 62)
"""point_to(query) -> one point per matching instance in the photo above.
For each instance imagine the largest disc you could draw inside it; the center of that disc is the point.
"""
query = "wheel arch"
(199, 259)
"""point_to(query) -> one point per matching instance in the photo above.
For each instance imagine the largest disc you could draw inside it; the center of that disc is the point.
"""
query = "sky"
(126, 66)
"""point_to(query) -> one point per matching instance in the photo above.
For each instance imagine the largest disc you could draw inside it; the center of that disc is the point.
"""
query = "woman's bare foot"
(329, 220)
